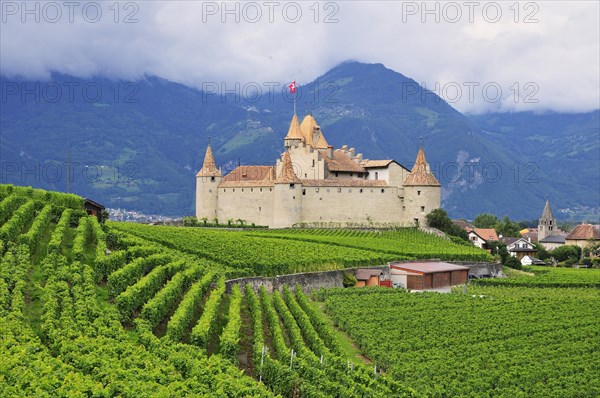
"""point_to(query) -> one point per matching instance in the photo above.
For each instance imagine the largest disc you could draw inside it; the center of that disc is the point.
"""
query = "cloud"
(480, 56)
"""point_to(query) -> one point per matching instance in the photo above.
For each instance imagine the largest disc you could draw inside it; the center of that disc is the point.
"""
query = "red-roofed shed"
(428, 275)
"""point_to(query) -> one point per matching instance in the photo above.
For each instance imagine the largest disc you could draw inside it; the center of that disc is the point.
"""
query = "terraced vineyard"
(131, 310)
(149, 320)
(290, 251)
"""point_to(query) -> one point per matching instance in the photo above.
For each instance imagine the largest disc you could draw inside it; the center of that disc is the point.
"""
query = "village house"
(583, 235)
(519, 247)
(480, 237)
(314, 184)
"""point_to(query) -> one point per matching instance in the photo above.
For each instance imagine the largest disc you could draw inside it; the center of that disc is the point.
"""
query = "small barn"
(368, 277)
(427, 275)
(93, 208)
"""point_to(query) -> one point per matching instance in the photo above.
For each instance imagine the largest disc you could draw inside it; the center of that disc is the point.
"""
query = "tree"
(507, 227)
(542, 253)
(439, 219)
(566, 252)
(485, 220)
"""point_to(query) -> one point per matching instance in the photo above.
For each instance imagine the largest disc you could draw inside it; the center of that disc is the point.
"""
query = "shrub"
(349, 279)
(512, 262)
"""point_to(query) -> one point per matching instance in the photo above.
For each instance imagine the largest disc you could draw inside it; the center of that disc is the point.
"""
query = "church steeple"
(209, 168)
(547, 224)
(420, 174)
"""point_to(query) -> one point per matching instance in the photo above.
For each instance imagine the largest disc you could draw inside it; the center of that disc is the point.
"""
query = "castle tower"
(547, 223)
(294, 137)
(287, 196)
(207, 182)
(421, 191)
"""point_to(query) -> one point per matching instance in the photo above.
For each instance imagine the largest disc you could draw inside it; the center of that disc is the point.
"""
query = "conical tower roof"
(322, 142)
(294, 132)
(547, 213)
(287, 174)
(307, 127)
(209, 168)
(420, 174)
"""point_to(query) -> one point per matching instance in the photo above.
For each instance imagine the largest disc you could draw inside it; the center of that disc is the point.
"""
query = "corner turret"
(287, 209)
(421, 191)
(207, 182)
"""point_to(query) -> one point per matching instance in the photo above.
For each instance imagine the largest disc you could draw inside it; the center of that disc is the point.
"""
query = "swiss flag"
(292, 87)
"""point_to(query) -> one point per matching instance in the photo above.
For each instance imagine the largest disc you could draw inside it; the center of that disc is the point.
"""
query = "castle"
(314, 184)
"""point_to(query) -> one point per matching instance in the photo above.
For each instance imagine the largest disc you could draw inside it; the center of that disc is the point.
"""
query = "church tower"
(547, 224)
(421, 191)
(287, 196)
(207, 182)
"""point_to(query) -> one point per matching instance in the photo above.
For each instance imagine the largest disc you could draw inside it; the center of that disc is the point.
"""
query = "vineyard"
(494, 341)
(118, 309)
(549, 277)
(290, 251)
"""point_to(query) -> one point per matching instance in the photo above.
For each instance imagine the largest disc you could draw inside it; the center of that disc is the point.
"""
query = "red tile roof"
(249, 173)
(486, 233)
(584, 232)
(341, 162)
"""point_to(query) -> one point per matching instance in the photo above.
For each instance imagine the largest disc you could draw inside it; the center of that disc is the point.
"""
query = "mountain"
(138, 146)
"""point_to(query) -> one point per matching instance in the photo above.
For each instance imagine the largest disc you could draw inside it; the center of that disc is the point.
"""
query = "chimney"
(352, 152)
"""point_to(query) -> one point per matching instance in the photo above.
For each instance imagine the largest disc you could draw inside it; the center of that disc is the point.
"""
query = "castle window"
(292, 186)
(242, 189)
(418, 193)
(313, 163)
(351, 174)
(339, 189)
(336, 173)
(377, 175)
(361, 191)
(259, 208)
(382, 190)
(550, 222)
(422, 209)
(212, 179)
(261, 190)
(233, 189)
(270, 189)
(304, 192)
(251, 189)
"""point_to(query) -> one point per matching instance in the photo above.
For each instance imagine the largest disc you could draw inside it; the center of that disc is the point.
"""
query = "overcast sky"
(542, 55)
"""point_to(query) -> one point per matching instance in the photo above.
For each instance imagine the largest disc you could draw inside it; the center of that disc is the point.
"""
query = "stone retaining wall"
(330, 279)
